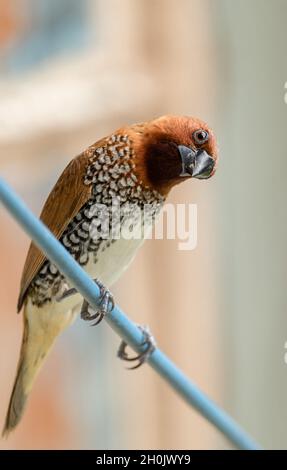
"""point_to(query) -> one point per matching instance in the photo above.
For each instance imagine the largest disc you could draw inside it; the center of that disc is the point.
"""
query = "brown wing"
(63, 203)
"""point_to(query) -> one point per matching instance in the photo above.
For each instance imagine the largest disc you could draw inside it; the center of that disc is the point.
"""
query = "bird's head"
(171, 149)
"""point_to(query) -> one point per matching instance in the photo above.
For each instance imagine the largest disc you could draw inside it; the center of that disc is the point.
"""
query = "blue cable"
(127, 330)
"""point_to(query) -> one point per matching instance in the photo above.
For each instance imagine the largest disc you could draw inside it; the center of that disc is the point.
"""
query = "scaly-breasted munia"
(135, 166)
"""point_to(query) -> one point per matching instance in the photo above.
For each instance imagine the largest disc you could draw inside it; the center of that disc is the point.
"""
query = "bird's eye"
(200, 136)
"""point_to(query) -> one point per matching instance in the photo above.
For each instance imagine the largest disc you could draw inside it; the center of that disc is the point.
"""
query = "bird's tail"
(40, 331)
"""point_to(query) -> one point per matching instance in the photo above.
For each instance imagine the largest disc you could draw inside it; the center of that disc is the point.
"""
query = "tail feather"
(18, 397)
(41, 327)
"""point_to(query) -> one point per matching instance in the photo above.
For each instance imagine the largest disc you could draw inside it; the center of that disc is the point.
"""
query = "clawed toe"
(67, 293)
(106, 303)
(148, 341)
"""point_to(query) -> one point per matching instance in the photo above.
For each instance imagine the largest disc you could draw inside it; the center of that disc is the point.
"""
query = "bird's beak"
(195, 163)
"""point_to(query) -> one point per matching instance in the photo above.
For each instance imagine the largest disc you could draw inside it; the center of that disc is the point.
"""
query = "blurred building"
(71, 72)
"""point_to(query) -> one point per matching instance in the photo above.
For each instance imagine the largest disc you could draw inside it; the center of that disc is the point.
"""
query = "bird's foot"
(148, 341)
(66, 292)
(106, 304)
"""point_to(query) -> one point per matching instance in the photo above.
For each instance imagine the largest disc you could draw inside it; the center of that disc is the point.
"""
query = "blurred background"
(72, 72)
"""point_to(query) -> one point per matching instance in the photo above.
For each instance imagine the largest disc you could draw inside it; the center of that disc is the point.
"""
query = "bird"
(104, 189)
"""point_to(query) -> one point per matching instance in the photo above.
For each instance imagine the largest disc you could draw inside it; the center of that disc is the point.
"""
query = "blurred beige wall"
(252, 210)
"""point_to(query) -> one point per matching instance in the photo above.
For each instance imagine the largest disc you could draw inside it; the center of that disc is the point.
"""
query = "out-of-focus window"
(32, 31)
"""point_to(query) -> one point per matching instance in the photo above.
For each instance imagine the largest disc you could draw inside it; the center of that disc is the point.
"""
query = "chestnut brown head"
(176, 148)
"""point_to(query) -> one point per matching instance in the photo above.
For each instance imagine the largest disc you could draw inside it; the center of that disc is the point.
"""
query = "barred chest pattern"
(119, 200)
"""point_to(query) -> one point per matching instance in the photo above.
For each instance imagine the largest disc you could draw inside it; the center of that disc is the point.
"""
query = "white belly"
(113, 261)
(110, 264)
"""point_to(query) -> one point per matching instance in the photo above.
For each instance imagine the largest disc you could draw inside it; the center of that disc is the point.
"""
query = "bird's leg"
(148, 341)
(106, 303)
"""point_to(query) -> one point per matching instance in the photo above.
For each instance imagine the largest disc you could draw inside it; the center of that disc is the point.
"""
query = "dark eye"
(200, 136)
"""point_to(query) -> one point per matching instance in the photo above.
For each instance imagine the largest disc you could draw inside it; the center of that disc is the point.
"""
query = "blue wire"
(128, 331)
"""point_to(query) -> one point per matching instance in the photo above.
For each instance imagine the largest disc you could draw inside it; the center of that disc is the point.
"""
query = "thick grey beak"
(195, 163)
